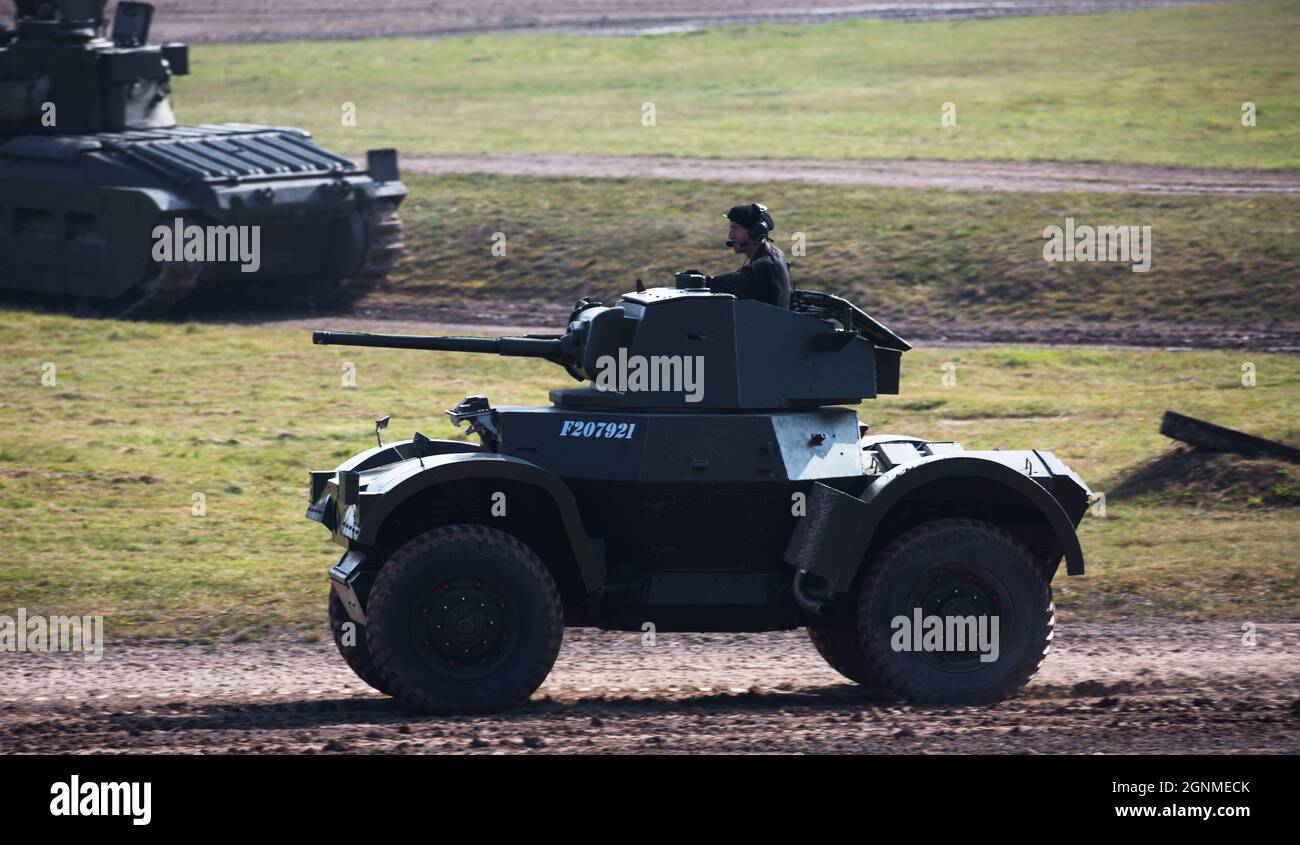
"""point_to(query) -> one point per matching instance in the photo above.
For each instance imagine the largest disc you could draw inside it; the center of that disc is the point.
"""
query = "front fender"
(387, 489)
(376, 456)
(401, 450)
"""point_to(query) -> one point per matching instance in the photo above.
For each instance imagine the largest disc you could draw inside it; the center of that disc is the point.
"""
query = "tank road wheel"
(354, 648)
(839, 645)
(464, 619)
(955, 569)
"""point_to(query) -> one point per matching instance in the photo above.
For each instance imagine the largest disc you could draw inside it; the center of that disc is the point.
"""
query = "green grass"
(98, 473)
(1158, 86)
(919, 258)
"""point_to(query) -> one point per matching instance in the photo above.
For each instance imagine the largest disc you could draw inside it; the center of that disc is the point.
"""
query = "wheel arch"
(975, 487)
(540, 511)
(843, 532)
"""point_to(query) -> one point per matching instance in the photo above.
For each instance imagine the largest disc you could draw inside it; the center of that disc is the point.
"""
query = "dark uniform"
(765, 277)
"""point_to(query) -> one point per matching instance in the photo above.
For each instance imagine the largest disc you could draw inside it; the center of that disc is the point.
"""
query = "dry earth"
(256, 20)
(1106, 688)
(1029, 176)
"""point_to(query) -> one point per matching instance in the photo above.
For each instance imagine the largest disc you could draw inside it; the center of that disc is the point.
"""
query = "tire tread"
(483, 537)
(932, 533)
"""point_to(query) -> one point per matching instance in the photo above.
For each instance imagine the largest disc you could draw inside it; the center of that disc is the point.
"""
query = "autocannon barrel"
(550, 348)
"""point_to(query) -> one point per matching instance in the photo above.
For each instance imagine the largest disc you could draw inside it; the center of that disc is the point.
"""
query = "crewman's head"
(749, 225)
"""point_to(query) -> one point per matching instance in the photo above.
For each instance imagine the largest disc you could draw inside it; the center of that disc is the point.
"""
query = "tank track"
(384, 250)
(177, 281)
(174, 281)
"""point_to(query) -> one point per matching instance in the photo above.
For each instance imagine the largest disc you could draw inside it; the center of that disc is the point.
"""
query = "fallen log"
(1216, 438)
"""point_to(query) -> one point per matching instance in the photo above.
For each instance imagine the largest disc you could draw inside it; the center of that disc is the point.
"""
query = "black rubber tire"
(840, 646)
(357, 655)
(1026, 614)
(426, 560)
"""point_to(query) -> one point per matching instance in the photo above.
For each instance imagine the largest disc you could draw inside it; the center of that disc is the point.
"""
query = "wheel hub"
(465, 625)
(963, 590)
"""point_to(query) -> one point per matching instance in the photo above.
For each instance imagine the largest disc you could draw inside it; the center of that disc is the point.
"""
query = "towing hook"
(811, 604)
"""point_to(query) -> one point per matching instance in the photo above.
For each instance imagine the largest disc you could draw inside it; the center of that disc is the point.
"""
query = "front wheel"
(840, 646)
(352, 644)
(955, 612)
(464, 619)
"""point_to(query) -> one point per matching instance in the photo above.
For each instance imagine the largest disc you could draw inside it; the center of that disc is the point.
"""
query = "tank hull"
(82, 217)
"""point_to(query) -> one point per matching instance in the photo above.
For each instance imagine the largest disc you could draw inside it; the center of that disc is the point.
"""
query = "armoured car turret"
(757, 356)
(707, 477)
(105, 200)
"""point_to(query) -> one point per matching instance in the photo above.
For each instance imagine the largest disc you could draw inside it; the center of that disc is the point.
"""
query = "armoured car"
(707, 476)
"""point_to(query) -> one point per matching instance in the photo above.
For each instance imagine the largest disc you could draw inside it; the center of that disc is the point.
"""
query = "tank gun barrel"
(549, 348)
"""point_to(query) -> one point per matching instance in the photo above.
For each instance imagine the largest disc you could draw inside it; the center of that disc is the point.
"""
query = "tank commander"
(765, 275)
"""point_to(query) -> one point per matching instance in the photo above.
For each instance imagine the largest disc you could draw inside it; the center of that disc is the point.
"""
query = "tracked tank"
(107, 203)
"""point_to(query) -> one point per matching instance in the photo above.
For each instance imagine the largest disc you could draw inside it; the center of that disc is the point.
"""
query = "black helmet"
(754, 218)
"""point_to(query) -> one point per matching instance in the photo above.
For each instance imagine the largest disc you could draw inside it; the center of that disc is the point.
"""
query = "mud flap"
(832, 536)
(345, 575)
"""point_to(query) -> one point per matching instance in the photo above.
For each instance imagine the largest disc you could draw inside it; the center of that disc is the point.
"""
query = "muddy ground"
(1105, 688)
(257, 20)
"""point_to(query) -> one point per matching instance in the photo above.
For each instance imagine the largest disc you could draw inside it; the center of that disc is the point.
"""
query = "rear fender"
(832, 540)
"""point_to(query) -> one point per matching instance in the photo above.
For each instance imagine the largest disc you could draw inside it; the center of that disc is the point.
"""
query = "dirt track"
(1034, 177)
(1111, 688)
(256, 20)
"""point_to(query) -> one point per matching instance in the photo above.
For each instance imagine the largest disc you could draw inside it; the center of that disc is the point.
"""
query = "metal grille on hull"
(222, 153)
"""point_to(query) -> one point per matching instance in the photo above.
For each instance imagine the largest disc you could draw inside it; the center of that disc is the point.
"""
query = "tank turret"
(665, 349)
(62, 75)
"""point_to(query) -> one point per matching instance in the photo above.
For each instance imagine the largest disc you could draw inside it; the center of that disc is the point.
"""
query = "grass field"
(919, 258)
(1158, 86)
(98, 472)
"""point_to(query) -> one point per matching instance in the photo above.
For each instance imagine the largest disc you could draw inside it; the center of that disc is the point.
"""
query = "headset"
(756, 232)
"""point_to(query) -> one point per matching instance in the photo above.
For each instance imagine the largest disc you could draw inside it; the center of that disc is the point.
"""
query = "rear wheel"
(464, 619)
(992, 600)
